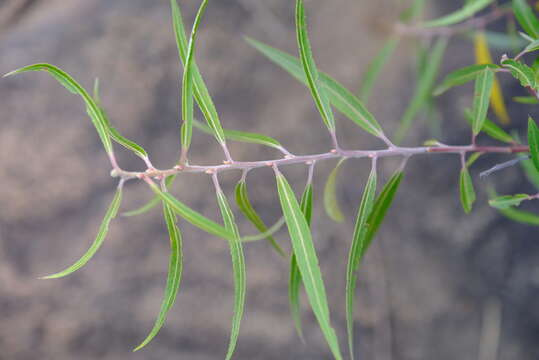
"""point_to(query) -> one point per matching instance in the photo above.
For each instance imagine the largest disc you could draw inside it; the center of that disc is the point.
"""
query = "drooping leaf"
(193, 216)
(467, 192)
(375, 67)
(340, 97)
(533, 141)
(175, 267)
(202, 95)
(331, 204)
(521, 72)
(102, 233)
(238, 267)
(467, 11)
(294, 282)
(156, 200)
(461, 76)
(261, 236)
(355, 253)
(423, 88)
(521, 216)
(70, 84)
(307, 261)
(507, 201)
(483, 89)
(310, 70)
(245, 206)
(115, 134)
(490, 128)
(526, 18)
(482, 56)
(242, 136)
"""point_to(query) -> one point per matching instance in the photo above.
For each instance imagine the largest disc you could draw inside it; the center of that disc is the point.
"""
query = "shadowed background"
(431, 279)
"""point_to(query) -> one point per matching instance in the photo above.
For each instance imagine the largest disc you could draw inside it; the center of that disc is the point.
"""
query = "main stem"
(405, 152)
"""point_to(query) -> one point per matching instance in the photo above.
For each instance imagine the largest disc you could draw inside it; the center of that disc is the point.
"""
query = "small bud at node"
(269, 163)
(209, 171)
(333, 151)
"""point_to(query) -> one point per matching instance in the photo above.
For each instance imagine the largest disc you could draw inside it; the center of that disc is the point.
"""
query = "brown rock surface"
(425, 284)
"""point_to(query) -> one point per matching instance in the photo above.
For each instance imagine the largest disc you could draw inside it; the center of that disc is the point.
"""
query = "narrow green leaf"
(375, 67)
(331, 204)
(379, 210)
(70, 84)
(103, 230)
(307, 261)
(238, 267)
(340, 97)
(524, 217)
(472, 159)
(459, 15)
(528, 100)
(294, 282)
(533, 46)
(156, 200)
(461, 76)
(193, 216)
(356, 252)
(526, 18)
(483, 89)
(423, 88)
(115, 134)
(245, 206)
(202, 95)
(521, 72)
(261, 236)
(507, 201)
(533, 141)
(490, 128)
(310, 70)
(175, 267)
(242, 136)
(467, 192)
(187, 84)
(412, 12)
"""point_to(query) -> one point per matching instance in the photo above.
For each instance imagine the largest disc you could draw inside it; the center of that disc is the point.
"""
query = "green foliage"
(469, 9)
(467, 192)
(533, 140)
(483, 89)
(506, 201)
(526, 18)
(461, 76)
(331, 204)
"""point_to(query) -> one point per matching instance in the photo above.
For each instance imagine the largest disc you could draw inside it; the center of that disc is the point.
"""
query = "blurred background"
(436, 284)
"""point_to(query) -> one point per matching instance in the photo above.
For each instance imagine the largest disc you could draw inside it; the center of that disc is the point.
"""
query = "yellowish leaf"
(482, 56)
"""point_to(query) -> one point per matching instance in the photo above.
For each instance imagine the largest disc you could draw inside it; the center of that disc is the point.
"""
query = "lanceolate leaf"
(507, 201)
(461, 76)
(533, 141)
(187, 85)
(242, 136)
(529, 100)
(521, 216)
(245, 206)
(490, 128)
(467, 192)
(379, 210)
(339, 96)
(423, 89)
(468, 10)
(102, 233)
(526, 18)
(532, 174)
(238, 267)
(115, 134)
(70, 84)
(331, 203)
(202, 95)
(375, 66)
(482, 56)
(483, 89)
(307, 261)
(192, 216)
(175, 267)
(294, 282)
(521, 72)
(309, 68)
(354, 255)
